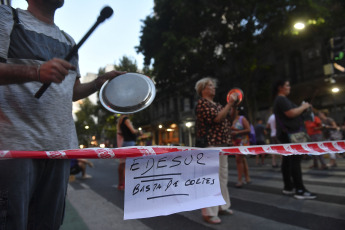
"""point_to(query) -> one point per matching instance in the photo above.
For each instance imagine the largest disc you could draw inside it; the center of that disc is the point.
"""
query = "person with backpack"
(240, 131)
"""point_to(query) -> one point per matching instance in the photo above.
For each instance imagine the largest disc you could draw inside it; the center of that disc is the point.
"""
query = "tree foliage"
(102, 123)
(106, 119)
(85, 122)
(229, 40)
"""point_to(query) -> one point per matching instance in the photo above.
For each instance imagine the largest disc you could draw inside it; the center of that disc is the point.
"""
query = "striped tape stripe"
(312, 148)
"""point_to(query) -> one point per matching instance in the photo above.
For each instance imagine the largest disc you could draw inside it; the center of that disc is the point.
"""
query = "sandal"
(227, 212)
(212, 219)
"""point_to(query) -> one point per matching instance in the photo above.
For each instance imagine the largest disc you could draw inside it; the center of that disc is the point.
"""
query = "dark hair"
(276, 85)
(242, 111)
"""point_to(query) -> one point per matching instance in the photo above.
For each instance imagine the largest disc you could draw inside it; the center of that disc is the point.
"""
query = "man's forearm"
(18, 74)
(86, 89)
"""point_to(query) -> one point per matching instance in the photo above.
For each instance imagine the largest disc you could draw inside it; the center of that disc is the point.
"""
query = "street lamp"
(335, 90)
(189, 125)
(299, 26)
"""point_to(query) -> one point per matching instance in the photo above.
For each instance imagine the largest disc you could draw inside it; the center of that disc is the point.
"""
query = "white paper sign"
(172, 182)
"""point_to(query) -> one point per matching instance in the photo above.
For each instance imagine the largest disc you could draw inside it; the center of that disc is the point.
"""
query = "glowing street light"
(299, 26)
(189, 125)
(335, 90)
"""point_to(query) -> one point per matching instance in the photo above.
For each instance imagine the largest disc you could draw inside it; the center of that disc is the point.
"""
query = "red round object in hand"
(239, 93)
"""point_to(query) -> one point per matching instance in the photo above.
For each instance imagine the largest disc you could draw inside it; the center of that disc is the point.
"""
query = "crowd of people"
(229, 125)
(287, 123)
(46, 124)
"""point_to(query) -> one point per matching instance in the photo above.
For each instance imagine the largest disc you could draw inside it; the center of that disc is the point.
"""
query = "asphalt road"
(96, 204)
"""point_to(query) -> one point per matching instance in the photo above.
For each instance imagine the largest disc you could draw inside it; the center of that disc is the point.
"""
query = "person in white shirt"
(271, 125)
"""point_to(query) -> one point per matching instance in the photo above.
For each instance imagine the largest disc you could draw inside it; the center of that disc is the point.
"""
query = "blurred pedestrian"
(289, 122)
(119, 136)
(331, 132)
(213, 130)
(314, 130)
(79, 165)
(129, 134)
(260, 135)
(240, 130)
(271, 125)
(342, 128)
(122, 161)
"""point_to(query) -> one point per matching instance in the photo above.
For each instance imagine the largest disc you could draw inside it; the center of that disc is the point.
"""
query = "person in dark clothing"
(129, 134)
(260, 133)
(288, 118)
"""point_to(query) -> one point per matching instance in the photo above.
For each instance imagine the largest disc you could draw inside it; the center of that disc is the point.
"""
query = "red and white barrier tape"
(312, 148)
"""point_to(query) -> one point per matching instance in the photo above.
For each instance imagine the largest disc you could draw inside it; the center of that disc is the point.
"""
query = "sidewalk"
(81, 206)
(72, 219)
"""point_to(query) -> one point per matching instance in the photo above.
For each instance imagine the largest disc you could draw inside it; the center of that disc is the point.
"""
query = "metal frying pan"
(127, 93)
(239, 93)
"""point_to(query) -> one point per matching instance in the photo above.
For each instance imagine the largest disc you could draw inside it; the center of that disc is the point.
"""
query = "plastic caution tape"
(312, 148)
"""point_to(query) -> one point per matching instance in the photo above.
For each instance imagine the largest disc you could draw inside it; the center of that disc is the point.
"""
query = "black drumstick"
(106, 12)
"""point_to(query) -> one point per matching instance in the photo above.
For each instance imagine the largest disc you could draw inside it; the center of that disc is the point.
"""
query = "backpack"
(252, 136)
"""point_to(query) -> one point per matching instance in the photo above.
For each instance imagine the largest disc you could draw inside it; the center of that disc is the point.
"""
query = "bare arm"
(333, 126)
(246, 126)
(54, 70)
(339, 67)
(224, 112)
(81, 91)
(297, 111)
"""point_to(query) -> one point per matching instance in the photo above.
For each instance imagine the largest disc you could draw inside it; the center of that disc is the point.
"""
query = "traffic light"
(337, 48)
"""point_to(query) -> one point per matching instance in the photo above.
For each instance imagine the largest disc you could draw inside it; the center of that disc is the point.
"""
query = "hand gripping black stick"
(106, 12)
